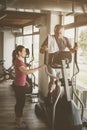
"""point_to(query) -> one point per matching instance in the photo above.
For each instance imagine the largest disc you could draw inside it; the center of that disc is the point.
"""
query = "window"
(36, 29)
(27, 30)
(82, 63)
(19, 40)
(82, 52)
(82, 56)
(70, 34)
(68, 19)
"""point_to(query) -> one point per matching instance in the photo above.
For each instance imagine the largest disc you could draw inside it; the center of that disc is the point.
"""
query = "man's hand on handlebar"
(43, 49)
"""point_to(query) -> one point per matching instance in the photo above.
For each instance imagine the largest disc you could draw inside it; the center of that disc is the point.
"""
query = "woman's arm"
(30, 71)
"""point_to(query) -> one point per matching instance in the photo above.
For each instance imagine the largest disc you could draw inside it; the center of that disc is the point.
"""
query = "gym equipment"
(63, 114)
(31, 85)
(6, 74)
(67, 115)
(76, 67)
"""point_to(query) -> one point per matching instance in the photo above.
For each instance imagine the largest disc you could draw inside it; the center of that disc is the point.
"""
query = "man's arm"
(44, 46)
(72, 49)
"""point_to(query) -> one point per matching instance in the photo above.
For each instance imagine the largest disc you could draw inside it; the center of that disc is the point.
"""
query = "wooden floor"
(7, 102)
(7, 116)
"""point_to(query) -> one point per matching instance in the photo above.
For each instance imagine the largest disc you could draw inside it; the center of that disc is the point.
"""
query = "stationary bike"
(6, 74)
(62, 114)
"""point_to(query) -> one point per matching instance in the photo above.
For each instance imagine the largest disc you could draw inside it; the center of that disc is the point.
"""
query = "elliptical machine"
(31, 86)
(63, 114)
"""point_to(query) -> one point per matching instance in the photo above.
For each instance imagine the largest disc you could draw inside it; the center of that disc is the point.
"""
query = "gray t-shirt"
(62, 43)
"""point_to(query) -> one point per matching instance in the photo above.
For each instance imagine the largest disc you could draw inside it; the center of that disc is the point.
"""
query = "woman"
(20, 80)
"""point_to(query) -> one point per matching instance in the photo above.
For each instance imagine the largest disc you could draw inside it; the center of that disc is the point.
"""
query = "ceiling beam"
(22, 15)
(46, 5)
(10, 25)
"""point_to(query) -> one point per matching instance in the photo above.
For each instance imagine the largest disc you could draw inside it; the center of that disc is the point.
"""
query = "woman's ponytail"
(13, 56)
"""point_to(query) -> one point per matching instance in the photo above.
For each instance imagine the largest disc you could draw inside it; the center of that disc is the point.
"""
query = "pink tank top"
(20, 77)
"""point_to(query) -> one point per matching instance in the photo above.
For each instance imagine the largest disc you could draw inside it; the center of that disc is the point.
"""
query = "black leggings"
(20, 100)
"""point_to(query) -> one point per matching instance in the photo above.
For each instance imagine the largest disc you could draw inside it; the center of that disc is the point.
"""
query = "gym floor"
(7, 102)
